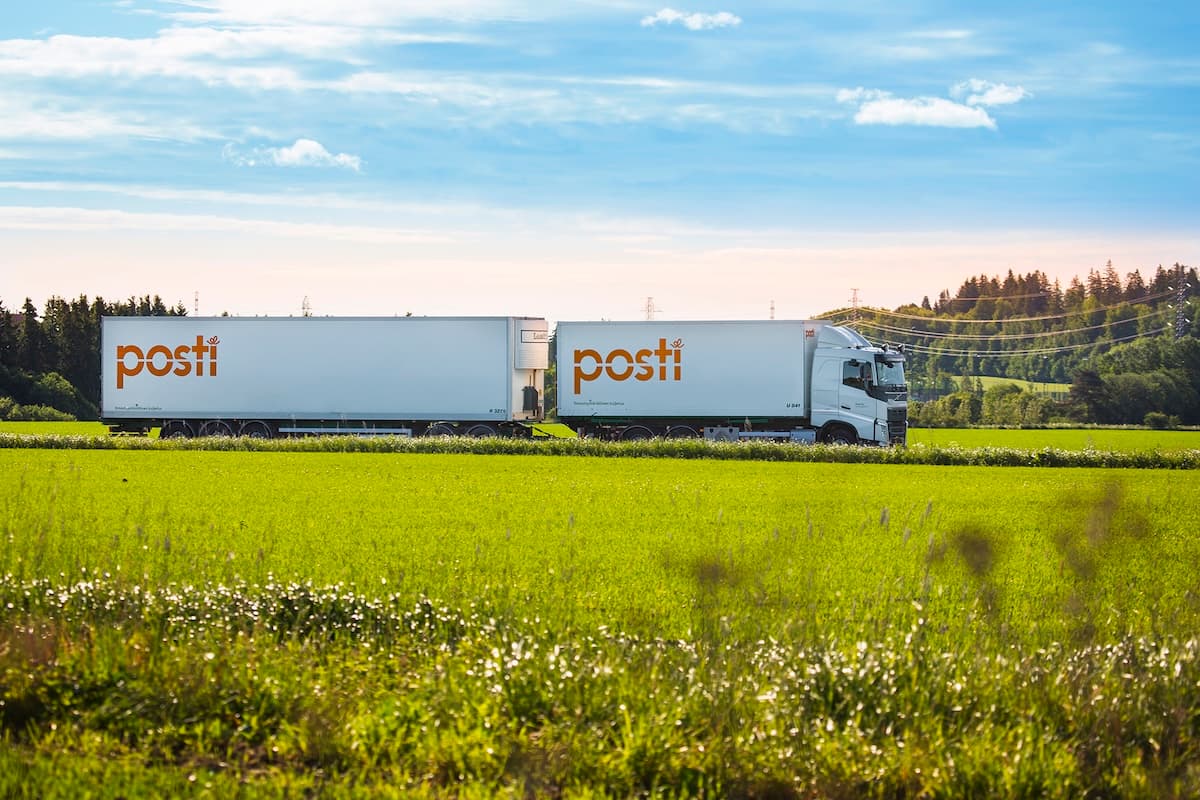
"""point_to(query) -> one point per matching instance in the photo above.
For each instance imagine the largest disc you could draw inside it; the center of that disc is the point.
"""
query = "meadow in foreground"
(271, 623)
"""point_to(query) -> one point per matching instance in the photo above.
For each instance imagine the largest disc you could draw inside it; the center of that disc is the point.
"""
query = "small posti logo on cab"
(664, 363)
(160, 360)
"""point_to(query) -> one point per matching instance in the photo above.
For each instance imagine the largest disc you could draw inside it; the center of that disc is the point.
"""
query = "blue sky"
(571, 159)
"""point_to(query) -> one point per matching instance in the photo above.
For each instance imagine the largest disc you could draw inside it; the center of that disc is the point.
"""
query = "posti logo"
(160, 360)
(664, 363)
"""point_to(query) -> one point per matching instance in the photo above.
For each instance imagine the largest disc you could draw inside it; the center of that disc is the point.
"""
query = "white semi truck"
(280, 376)
(800, 380)
(484, 376)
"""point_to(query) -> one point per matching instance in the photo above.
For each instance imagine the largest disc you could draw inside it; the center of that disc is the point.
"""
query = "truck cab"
(859, 393)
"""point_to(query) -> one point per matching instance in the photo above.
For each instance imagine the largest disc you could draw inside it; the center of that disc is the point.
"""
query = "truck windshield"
(889, 372)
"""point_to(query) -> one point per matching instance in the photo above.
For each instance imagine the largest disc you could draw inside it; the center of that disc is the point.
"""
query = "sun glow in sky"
(572, 159)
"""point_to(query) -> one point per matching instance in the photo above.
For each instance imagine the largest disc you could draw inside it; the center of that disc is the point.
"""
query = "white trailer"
(801, 380)
(270, 376)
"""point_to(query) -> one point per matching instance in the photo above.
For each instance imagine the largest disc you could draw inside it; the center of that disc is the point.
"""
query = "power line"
(955, 352)
(1004, 336)
(859, 311)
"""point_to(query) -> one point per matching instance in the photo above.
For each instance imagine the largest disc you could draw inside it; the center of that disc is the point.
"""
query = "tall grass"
(340, 625)
(655, 448)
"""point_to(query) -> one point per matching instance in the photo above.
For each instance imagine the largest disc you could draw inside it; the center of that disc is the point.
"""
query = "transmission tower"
(853, 306)
(306, 307)
(772, 309)
(651, 309)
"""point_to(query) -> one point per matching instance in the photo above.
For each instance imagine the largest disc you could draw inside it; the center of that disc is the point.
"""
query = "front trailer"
(293, 376)
(790, 380)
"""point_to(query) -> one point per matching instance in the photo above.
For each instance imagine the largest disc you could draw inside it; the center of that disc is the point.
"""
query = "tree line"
(50, 361)
(1127, 347)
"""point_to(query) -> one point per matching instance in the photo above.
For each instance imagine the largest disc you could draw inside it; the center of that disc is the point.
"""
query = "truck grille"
(898, 425)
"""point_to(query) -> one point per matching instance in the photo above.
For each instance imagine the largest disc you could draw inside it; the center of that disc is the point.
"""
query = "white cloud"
(933, 111)
(876, 107)
(695, 21)
(303, 153)
(984, 93)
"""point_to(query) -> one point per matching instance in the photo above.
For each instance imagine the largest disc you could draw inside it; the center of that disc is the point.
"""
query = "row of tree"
(52, 359)
(1027, 328)
(1034, 294)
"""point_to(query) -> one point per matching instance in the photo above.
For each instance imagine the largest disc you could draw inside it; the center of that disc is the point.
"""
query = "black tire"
(840, 434)
(636, 433)
(215, 427)
(175, 429)
(441, 429)
(683, 432)
(256, 429)
(481, 431)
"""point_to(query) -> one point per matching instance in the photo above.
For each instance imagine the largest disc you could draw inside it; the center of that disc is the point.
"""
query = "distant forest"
(1128, 347)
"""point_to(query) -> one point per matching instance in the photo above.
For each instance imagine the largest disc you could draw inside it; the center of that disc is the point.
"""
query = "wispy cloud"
(984, 93)
(877, 107)
(357, 13)
(38, 119)
(47, 218)
(693, 21)
(303, 153)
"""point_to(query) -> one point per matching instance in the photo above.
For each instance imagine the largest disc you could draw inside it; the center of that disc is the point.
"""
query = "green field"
(1115, 439)
(612, 541)
(1061, 389)
(334, 624)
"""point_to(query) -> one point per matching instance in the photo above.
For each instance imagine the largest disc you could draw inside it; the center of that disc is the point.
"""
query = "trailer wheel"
(683, 432)
(636, 433)
(481, 431)
(175, 429)
(840, 434)
(216, 427)
(255, 429)
(440, 429)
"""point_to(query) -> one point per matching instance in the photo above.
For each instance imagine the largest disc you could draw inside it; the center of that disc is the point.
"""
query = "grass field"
(334, 624)
(612, 541)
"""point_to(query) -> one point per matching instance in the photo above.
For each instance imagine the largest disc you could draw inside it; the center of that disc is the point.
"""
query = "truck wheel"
(255, 429)
(840, 434)
(481, 431)
(636, 433)
(682, 432)
(440, 429)
(216, 427)
(175, 429)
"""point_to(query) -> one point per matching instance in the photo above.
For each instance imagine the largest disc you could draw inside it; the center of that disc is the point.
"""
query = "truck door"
(855, 406)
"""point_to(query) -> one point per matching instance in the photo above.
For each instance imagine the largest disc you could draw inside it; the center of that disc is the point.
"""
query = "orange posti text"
(662, 363)
(160, 360)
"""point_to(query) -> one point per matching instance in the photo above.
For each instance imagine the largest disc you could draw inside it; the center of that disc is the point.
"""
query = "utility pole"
(196, 304)
(1180, 303)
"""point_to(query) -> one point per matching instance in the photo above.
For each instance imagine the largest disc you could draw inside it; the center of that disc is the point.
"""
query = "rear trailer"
(282, 376)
